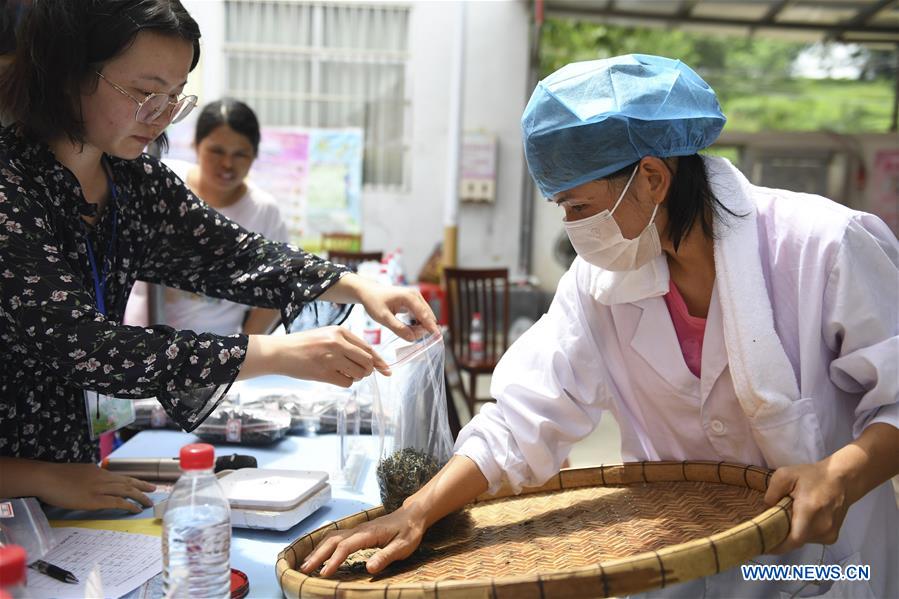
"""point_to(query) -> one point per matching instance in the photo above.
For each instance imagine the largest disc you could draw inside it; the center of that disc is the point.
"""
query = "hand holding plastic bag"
(410, 417)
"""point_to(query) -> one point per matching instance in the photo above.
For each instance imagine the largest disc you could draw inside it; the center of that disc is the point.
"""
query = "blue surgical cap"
(591, 119)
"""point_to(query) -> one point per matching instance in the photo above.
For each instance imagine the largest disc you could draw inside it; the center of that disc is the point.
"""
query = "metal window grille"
(326, 64)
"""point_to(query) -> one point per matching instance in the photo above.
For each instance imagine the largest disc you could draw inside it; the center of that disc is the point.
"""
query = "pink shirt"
(690, 329)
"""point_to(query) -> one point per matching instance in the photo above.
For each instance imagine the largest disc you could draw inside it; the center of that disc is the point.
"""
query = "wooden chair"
(341, 242)
(354, 259)
(485, 291)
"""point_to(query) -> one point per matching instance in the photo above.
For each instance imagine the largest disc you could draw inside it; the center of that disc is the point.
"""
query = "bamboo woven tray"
(589, 532)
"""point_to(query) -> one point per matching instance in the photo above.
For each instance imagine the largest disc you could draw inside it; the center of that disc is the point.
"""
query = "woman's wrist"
(866, 462)
(847, 466)
(263, 356)
(347, 290)
(45, 477)
(420, 511)
(458, 483)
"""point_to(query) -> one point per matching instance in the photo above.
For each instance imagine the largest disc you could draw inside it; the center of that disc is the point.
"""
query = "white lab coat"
(832, 275)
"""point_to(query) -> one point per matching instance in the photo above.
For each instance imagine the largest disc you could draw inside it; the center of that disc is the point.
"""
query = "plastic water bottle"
(371, 334)
(12, 572)
(384, 273)
(196, 533)
(387, 263)
(398, 272)
(476, 338)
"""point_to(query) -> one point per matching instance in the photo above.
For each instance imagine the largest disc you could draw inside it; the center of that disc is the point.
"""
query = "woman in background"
(227, 143)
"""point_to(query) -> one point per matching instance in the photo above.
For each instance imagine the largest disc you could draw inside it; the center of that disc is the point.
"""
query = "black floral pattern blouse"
(54, 343)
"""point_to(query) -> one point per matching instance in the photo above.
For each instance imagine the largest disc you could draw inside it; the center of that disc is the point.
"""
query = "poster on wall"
(334, 190)
(281, 168)
(885, 188)
(315, 174)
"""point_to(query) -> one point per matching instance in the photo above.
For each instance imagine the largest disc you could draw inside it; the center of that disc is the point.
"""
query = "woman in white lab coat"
(744, 324)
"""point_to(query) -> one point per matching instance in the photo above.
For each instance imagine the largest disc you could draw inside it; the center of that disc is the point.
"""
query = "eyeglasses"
(155, 104)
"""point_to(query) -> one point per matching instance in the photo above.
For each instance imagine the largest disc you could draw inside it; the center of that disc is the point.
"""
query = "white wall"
(547, 227)
(495, 95)
(496, 80)
(208, 79)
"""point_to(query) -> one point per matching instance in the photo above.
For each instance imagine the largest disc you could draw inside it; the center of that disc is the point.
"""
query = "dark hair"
(690, 199)
(233, 113)
(61, 43)
(11, 14)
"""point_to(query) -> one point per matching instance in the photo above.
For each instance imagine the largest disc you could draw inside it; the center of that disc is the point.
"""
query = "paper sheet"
(107, 563)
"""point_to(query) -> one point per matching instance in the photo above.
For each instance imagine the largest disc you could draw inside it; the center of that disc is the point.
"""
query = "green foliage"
(565, 41)
(814, 105)
(751, 75)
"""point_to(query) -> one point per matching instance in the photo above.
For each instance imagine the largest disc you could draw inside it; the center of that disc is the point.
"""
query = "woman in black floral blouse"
(92, 83)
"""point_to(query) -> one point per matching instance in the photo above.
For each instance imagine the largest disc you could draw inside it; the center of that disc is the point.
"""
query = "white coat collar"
(653, 340)
(654, 337)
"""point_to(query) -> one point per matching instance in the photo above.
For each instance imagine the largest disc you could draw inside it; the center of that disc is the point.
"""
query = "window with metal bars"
(326, 64)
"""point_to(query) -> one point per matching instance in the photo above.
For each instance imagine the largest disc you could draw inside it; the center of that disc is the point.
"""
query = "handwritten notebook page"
(107, 563)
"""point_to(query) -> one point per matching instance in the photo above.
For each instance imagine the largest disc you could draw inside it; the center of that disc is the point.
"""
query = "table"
(255, 551)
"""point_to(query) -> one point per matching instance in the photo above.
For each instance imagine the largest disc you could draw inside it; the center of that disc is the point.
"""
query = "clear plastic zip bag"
(410, 417)
(23, 522)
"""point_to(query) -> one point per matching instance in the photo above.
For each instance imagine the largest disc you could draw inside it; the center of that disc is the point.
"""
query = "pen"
(54, 571)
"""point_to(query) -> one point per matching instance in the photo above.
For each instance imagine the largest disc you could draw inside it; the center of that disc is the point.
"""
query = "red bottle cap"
(12, 565)
(197, 456)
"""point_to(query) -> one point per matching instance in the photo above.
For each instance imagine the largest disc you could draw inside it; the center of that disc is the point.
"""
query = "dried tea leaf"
(402, 474)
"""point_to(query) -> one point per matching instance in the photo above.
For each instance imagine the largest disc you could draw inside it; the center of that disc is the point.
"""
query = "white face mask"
(598, 239)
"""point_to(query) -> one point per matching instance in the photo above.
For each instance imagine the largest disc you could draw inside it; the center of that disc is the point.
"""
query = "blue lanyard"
(100, 278)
